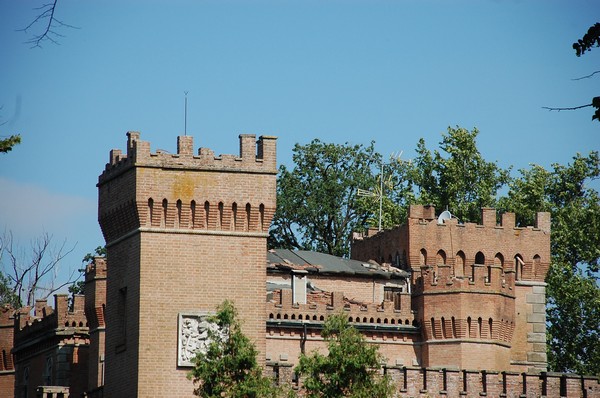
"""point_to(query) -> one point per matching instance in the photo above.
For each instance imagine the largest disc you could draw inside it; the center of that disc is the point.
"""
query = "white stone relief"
(193, 336)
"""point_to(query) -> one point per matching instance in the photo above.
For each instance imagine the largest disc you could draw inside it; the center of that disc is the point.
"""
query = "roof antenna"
(185, 115)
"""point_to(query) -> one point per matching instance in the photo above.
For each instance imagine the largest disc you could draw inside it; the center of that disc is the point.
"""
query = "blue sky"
(342, 71)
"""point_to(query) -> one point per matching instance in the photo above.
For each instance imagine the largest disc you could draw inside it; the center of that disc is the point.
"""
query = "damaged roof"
(321, 263)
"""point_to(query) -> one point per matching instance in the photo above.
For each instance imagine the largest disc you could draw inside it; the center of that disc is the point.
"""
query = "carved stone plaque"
(192, 336)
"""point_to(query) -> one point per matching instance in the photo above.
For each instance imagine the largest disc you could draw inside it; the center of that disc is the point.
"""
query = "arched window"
(519, 263)
(480, 258)
(221, 207)
(432, 328)
(499, 260)
(460, 264)
(206, 213)
(479, 327)
(536, 265)
(178, 219)
(423, 258)
(469, 330)
(193, 214)
(491, 324)
(454, 334)
(248, 210)
(443, 328)
(440, 258)
(150, 211)
(261, 212)
(499, 263)
(234, 215)
(165, 205)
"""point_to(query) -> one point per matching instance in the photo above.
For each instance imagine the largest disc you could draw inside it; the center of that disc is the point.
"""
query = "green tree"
(7, 294)
(78, 286)
(317, 200)
(573, 292)
(228, 368)
(7, 144)
(350, 369)
(463, 181)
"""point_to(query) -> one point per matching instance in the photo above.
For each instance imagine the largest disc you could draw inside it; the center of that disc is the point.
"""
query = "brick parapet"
(424, 240)
(454, 382)
(45, 318)
(254, 157)
(365, 314)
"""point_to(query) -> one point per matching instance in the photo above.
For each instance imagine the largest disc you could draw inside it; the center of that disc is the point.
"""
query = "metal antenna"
(185, 115)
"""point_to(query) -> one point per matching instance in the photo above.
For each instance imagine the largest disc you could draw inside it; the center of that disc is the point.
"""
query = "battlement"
(95, 292)
(96, 269)
(324, 304)
(425, 213)
(254, 156)
(454, 382)
(482, 254)
(47, 319)
(192, 194)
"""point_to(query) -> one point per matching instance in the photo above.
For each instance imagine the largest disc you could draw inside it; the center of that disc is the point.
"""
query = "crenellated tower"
(95, 304)
(183, 233)
(478, 289)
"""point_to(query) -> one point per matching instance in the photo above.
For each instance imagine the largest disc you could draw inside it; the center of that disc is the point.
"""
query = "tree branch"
(38, 273)
(566, 109)
(586, 77)
(47, 11)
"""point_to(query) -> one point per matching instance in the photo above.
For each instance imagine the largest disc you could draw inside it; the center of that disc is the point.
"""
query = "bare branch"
(47, 12)
(566, 109)
(29, 277)
(586, 77)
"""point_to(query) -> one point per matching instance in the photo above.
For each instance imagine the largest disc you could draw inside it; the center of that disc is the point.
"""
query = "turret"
(183, 232)
(478, 289)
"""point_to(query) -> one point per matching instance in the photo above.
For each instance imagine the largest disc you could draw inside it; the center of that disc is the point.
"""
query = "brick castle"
(456, 309)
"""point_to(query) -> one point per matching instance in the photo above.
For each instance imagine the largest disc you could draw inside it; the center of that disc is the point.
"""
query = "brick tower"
(183, 232)
(478, 290)
(95, 303)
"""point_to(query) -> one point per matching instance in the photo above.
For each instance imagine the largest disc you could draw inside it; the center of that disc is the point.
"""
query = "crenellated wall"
(295, 328)
(478, 289)
(421, 382)
(195, 195)
(283, 308)
(51, 346)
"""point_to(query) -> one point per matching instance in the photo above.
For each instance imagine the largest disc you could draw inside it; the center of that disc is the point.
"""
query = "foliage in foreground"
(229, 368)
(350, 369)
